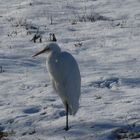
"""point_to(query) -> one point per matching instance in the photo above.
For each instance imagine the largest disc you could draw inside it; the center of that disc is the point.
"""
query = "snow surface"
(107, 51)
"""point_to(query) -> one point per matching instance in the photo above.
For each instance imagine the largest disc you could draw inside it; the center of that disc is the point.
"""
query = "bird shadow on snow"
(106, 130)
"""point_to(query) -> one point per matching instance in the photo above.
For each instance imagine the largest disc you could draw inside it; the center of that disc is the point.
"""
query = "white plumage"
(65, 76)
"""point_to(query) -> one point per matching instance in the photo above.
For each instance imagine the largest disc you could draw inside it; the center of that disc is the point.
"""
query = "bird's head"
(50, 48)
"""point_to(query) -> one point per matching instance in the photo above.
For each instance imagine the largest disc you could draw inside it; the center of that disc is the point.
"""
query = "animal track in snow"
(59, 114)
(107, 83)
(32, 110)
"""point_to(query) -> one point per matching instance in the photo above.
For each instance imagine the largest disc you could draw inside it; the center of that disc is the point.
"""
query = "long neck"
(52, 64)
(53, 55)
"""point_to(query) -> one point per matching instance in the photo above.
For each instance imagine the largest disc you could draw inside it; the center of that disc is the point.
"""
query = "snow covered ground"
(103, 36)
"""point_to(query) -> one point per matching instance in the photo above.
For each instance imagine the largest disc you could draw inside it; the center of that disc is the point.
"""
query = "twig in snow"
(1, 70)
(36, 37)
(52, 37)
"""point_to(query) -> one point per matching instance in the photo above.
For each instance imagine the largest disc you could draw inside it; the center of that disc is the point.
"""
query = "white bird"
(65, 76)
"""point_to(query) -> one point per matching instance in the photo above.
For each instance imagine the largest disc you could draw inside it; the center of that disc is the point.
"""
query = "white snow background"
(104, 38)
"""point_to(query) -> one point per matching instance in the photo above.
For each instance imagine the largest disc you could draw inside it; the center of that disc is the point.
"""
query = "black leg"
(67, 124)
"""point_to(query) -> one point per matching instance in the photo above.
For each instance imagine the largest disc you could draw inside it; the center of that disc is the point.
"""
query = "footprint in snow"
(1, 128)
(51, 100)
(32, 110)
(59, 114)
(107, 83)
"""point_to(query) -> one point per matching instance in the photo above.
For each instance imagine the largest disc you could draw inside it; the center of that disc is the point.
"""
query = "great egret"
(65, 76)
